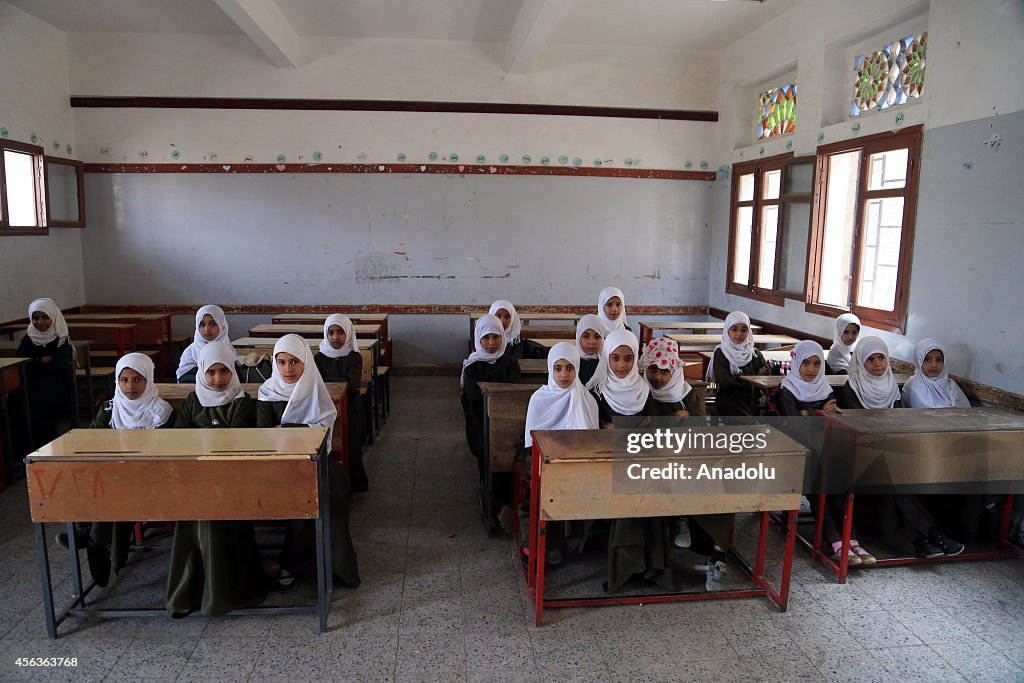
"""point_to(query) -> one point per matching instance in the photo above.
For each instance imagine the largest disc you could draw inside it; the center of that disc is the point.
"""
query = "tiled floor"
(442, 601)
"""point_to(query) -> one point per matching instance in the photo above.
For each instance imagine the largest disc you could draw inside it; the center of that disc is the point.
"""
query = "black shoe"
(948, 546)
(82, 539)
(924, 548)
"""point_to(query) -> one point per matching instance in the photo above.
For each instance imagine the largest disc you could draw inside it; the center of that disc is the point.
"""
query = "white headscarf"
(873, 392)
(839, 355)
(212, 353)
(588, 322)
(515, 328)
(738, 355)
(611, 325)
(350, 345)
(817, 389)
(922, 391)
(148, 411)
(190, 356)
(59, 328)
(664, 354)
(309, 402)
(628, 395)
(485, 325)
(552, 407)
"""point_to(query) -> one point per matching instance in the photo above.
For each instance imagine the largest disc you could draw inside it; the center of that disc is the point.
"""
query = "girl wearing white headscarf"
(619, 321)
(672, 395)
(339, 360)
(866, 389)
(806, 388)
(843, 342)
(936, 390)
(736, 355)
(590, 334)
(111, 541)
(487, 363)
(51, 370)
(215, 565)
(625, 395)
(214, 329)
(515, 346)
(305, 402)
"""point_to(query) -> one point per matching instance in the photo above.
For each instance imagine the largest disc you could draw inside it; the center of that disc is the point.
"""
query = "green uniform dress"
(215, 565)
(299, 553)
(735, 398)
(638, 546)
(111, 541)
(349, 369)
(690, 404)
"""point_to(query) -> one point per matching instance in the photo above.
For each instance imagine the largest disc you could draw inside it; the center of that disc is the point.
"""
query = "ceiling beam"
(536, 20)
(263, 22)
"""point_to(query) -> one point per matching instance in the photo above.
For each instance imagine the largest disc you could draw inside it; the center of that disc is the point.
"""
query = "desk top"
(300, 328)
(772, 381)
(533, 366)
(508, 387)
(127, 317)
(12, 362)
(596, 445)
(175, 394)
(691, 326)
(95, 445)
(321, 317)
(267, 343)
(777, 356)
(926, 420)
(534, 316)
(716, 339)
(80, 325)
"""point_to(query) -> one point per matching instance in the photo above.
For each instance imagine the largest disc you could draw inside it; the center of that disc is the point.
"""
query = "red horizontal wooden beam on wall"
(407, 169)
(392, 105)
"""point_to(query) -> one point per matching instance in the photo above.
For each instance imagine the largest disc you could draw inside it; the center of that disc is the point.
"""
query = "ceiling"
(668, 24)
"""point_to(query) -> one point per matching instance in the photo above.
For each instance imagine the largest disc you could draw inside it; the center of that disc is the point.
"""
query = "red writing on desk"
(78, 474)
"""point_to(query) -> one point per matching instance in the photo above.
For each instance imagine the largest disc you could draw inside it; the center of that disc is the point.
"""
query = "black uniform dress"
(587, 368)
(111, 541)
(526, 348)
(349, 369)
(505, 369)
(215, 565)
(50, 385)
(735, 398)
(829, 370)
(299, 553)
(638, 545)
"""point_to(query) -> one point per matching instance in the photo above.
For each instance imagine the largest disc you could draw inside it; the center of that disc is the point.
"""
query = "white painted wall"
(231, 66)
(34, 99)
(969, 241)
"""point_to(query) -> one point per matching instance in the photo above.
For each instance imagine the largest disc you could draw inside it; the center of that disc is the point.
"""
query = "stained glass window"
(889, 76)
(777, 112)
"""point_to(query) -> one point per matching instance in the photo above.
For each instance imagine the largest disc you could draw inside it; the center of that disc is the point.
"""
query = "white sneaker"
(683, 539)
(805, 505)
(714, 574)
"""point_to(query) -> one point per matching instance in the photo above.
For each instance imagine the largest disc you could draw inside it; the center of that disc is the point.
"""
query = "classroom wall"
(969, 236)
(34, 99)
(180, 65)
(395, 239)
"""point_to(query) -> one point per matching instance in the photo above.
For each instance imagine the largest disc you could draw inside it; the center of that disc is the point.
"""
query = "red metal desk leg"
(534, 515)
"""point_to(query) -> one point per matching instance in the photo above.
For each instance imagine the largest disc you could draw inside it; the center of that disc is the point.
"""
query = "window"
(862, 237)
(777, 111)
(65, 193)
(769, 228)
(21, 189)
(889, 76)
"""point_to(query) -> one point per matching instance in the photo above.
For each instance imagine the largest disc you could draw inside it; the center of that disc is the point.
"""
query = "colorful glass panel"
(890, 76)
(777, 112)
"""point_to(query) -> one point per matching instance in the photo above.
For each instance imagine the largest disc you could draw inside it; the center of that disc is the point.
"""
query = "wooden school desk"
(527, 318)
(152, 331)
(647, 329)
(707, 355)
(534, 369)
(12, 378)
(572, 480)
(123, 475)
(84, 369)
(760, 340)
(175, 394)
(356, 318)
(505, 407)
(920, 446)
(766, 383)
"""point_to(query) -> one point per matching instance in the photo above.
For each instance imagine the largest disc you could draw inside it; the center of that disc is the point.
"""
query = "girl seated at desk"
(215, 565)
(51, 370)
(872, 385)
(562, 403)
(487, 363)
(611, 309)
(515, 346)
(211, 325)
(339, 360)
(136, 405)
(296, 396)
(843, 342)
(589, 339)
(736, 356)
